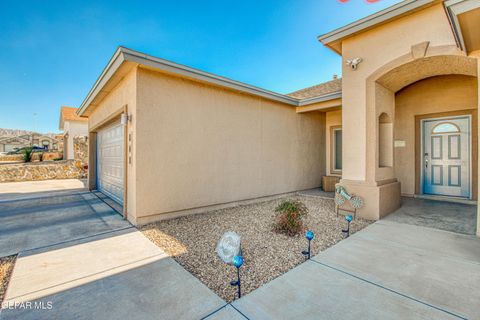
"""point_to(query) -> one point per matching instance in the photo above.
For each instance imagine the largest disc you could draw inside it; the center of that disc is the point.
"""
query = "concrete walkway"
(317, 192)
(455, 217)
(387, 271)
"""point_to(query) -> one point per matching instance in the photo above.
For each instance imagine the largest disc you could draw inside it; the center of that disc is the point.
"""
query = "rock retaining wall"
(45, 170)
(35, 156)
(80, 149)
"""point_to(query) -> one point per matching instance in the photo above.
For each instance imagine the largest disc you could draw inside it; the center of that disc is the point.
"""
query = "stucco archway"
(395, 75)
(381, 188)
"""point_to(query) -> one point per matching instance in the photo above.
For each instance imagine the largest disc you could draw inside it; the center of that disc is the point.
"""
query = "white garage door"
(110, 162)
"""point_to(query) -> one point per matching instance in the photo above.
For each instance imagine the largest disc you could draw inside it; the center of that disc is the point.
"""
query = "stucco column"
(478, 102)
(368, 145)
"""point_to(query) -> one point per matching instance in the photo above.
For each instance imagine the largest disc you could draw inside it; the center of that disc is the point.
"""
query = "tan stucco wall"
(394, 55)
(122, 97)
(201, 145)
(332, 119)
(73, 129)
(433, 95)
(377, 47)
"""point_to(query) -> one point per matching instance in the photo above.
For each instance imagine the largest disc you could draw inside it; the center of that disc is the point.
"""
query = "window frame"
(333, 150)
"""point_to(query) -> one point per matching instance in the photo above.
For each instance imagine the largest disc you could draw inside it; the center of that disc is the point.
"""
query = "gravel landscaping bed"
(192, 241)
(6, 267)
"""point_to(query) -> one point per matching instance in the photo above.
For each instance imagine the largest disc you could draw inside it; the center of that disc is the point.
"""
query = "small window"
(337, 150)
(445, 127)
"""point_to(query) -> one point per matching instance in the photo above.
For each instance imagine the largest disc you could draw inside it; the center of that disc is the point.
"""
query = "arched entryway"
(385, 170)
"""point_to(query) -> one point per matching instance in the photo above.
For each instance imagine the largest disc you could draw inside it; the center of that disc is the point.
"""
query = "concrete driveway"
(37, 222)
(34, 189)
(78, 259)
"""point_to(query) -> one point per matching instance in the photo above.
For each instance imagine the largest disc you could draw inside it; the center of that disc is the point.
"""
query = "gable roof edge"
(372, 20)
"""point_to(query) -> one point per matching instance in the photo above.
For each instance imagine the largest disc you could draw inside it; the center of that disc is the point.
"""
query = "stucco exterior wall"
(122, 98)
(73, 129)
(201, 145)
(429, 96)
(332, 119)
(377, 47)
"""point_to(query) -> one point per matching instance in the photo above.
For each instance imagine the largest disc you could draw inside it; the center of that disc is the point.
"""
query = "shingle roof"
(70, 114)
(321, 89)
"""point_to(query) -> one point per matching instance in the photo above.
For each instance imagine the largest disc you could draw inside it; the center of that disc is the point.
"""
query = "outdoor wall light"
(309, 235)
(237, 261)
(349, 219)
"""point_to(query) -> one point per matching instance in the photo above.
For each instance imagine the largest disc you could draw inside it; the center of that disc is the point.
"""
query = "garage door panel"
(110, 155)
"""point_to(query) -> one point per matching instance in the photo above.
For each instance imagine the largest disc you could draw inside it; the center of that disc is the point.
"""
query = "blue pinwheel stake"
(237, 261)
(346, 232)
(309, 235)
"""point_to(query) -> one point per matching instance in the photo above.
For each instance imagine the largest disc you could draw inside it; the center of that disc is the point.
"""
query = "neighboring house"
(72, 126)
(12, 143)
(47, 142)
(171, 140)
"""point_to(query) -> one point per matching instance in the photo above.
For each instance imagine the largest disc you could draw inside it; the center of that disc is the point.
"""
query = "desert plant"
(289, 218)
(27, 154)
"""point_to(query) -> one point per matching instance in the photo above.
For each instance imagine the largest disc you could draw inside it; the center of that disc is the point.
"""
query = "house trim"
(370, 21)
(124, 54)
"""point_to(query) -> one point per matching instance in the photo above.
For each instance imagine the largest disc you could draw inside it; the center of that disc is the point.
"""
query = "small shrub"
(27, 154)
(289, 219)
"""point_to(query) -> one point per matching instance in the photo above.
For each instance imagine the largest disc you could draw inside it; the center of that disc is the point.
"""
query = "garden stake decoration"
(309, 235)
(349, 219)
(237, 262)
(341, 195)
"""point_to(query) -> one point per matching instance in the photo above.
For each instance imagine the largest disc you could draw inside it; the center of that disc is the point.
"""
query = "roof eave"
(182, 70)
(454, 8)
(321, 98)
(124, 54)
(112, 66)
(370, 21)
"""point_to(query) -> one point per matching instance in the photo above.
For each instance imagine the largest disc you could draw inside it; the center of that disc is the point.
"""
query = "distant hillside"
(19, 132)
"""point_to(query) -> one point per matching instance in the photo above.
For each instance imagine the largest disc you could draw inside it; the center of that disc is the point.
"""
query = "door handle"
(426, 160)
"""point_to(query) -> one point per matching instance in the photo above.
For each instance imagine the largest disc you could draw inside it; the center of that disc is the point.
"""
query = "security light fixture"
(353, 63)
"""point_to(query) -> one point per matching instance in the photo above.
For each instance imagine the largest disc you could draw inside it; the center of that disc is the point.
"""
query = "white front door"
(110, 162)
(446, 156)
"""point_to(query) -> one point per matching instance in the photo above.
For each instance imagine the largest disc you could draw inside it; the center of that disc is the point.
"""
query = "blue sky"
(51, 52)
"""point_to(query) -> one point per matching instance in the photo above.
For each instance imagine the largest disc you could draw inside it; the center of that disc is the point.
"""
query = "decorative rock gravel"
(192, 240)
(6, 267)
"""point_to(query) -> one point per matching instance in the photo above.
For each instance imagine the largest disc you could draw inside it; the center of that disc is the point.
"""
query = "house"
(47, 142)
(12, 143)
(72, 126)
(170, 140)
